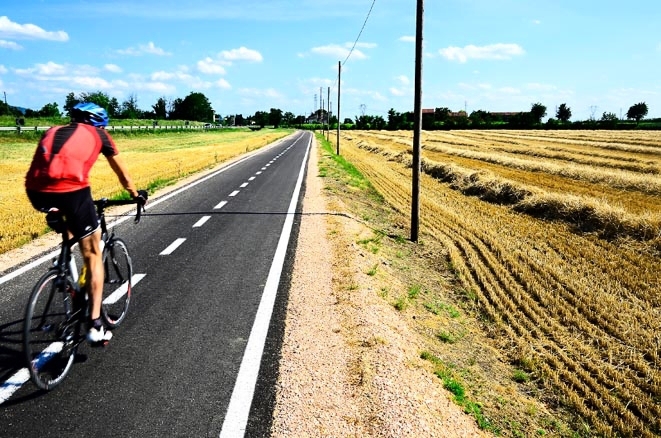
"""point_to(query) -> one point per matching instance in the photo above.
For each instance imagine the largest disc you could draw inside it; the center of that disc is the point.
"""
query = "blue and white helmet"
(90, 113)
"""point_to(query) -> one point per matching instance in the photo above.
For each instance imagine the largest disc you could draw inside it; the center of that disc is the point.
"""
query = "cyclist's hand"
(142, 197)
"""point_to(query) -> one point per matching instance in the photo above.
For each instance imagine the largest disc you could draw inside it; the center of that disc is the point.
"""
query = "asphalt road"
(198, 352)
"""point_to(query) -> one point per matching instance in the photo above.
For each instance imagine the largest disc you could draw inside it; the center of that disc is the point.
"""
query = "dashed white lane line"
(201, 222)
(11, 385)
(234, 193)
(121, 291)
(20, 377)
(258, 173)
(252, 178)
(244, 185)
(263, 168)
(174, 245)
(221, 205)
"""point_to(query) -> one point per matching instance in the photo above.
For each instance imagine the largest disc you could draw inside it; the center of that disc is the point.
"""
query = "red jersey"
(64, 157)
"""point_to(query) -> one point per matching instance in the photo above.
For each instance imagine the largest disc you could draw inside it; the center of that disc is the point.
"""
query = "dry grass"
(152, 161)
(573, 301)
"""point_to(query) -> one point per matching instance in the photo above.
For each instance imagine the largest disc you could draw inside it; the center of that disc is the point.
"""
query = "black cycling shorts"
(77, 207)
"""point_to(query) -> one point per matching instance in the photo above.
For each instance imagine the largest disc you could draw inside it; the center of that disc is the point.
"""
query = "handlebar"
(102, 203)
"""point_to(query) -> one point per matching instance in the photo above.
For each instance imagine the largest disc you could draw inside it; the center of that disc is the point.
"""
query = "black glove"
(142, 197)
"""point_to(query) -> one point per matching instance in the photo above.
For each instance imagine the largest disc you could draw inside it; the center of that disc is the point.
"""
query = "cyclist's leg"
(84, 224)
(90, 248)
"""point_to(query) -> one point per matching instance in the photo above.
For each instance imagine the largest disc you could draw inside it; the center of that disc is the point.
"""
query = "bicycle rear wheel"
(117, 282)
(50, 332)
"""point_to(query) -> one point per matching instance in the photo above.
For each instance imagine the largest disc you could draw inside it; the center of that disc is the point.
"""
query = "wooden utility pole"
(328, 115)
(339, 85)
(417, 127)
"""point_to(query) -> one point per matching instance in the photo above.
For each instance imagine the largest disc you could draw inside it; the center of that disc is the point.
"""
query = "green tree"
(288, 118)
(480, 118)
(395, 120)
(49, 110)
(538, 112)
(608, 120)
(113, 107)
(637, 112)
(563, 113)
(98, 97)
(523, 120)
(129, 108)
(261, 118)
(275, 117)
(70, 101)
(442, 114)
(160, 108)
(195, 106)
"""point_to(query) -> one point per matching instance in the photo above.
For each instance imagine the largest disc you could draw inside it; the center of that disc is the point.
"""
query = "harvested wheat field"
(153, 161)
(556, 236)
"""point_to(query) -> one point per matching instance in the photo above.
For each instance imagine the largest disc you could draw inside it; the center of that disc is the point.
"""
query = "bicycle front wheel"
(50, 331)
(117, 282)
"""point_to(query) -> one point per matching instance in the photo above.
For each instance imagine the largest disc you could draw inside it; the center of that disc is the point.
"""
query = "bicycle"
(58, 308)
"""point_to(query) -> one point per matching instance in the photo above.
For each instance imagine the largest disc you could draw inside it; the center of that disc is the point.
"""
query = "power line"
(355, 42)
(360, 33)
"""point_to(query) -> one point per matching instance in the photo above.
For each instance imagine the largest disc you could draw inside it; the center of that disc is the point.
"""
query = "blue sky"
(495, 55)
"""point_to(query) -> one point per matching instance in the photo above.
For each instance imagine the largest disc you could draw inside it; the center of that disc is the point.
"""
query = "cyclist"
(59, 178)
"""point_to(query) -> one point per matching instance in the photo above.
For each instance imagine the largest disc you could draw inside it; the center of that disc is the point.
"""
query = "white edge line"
(174, 245)
(238, 410)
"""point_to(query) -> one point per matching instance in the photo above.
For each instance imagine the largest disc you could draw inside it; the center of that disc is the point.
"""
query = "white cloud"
(338, 52)
(9, 45)
(342, 51)
(222, 83)
(211, 66)
(256, 92)
(540, 87)
(113, 68)
(241, 54)
(48, 69)
(397, 92)
(407, 39)
(153, 86)
(149, 49)
(181, 75)
(3, 69)
(493, 51)
(537, 22)
(404, 80)
(9, 29)
(509, 90)
(92, 83)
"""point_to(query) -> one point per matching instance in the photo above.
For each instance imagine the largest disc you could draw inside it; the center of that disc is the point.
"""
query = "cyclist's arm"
(117, 165)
